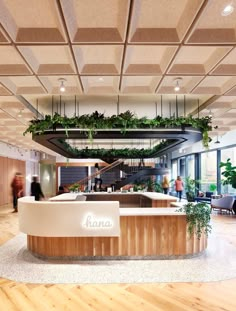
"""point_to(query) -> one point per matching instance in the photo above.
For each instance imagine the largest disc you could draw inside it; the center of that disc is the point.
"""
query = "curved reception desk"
(102, 230)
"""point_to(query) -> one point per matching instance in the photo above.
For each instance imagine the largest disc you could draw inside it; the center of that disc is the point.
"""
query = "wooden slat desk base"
(140, 236)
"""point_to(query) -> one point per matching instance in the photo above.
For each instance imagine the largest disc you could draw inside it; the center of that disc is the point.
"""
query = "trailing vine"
(123, 121)
(198, 218)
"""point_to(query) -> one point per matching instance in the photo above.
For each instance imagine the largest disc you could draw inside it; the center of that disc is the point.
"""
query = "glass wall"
(208, 170)
(190, 166)
(182, 167)
(229, 153)
(186, 166)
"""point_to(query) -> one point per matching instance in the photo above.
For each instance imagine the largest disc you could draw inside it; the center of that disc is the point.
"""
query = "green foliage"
(198, 217)
(139, 186)
(212, 187)
(126, 153)
(123, 121)
(229, 173)
(149, 184)
(191, 187)
(74, 187)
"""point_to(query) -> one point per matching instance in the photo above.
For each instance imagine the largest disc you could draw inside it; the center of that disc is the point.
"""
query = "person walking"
(17, 186)
(179, 187)
(36, 190)
(165, 184)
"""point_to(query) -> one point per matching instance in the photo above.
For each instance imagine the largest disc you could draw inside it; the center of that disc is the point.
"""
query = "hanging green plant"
(123, 122)
(198, 216)
(128, 153)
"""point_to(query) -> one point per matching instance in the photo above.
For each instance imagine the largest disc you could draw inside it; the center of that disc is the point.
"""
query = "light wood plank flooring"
(211, 296)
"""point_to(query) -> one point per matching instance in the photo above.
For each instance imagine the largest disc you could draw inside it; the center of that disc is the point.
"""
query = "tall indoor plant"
(191, 187)
(229, 173)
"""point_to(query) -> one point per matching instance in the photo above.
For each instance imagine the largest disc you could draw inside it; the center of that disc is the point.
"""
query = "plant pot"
(234, 182)
(190, 196)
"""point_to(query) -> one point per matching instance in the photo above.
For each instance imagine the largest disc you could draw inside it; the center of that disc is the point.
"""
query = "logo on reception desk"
(91, 221)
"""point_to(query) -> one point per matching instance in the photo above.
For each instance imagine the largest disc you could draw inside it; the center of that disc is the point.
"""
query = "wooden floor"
(120, 297)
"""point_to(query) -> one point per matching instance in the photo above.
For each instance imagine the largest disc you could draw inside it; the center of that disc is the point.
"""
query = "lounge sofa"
(206, 198)
(223, 204)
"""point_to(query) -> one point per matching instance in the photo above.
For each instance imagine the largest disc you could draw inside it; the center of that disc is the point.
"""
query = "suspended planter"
(52, 132)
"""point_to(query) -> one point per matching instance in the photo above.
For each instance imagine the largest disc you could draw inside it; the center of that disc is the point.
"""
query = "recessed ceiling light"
(100, 79)
(62, 85)
(227, 10)
(177, 84)
(20, 113)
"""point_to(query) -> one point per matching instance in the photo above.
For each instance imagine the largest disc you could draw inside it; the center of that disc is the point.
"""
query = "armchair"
(225, 203)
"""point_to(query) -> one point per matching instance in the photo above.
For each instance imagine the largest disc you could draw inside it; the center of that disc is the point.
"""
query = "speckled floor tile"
(217, 263)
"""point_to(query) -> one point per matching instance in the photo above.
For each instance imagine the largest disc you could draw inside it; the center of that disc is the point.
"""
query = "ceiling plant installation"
(53, 132)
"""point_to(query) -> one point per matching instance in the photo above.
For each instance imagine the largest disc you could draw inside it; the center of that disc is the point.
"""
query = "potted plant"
(198, 216)
(191, 187)
(74, 188)
(213, 188)
(229, 173)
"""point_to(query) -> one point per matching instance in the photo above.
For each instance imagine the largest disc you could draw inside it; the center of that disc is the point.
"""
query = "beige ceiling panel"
(101, 85)
(142, 84)
(162, 21)
(147, 60)
(227, 66)
(197, 60)
(52, 84)
(47, 60)
(223, 103)
(99, 59)
(11, 63)
(4, 91)
(32, 21)
(23, 84)
(214, 28)
(96, 20)
(3, 38)
(215, 85)
(186, 84)
(231, 92)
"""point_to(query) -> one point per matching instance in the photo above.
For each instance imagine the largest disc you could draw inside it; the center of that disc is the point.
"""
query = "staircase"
(128, 172)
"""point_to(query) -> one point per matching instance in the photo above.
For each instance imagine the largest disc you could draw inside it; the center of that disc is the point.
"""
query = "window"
(229, 153)
(208, 170)
(190, 166)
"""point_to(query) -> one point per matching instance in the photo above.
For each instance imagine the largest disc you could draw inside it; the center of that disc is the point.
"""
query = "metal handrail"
(100, 172)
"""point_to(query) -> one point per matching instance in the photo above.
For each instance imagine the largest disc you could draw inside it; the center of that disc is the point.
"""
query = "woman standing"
(179, 187)
(165, 184)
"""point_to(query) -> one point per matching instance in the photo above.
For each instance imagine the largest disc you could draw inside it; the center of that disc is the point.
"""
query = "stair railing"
(100, 172)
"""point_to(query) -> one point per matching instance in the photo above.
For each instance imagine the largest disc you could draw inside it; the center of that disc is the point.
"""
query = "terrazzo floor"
(217, 263)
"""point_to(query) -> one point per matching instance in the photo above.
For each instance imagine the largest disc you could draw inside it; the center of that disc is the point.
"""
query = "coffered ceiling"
(104, 48)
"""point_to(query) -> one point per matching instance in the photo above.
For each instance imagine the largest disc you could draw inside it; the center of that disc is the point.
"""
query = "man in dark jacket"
(36, 190)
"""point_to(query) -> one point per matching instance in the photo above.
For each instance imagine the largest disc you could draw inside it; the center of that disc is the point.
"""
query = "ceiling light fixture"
(100, 79)
(177, 83)
(62, 85)
(227, 10)
(19, 114)
(217, 140)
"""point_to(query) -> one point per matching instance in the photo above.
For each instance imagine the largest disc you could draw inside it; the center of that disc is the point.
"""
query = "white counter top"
(66, 197)
(150, 212)
(150, 195)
